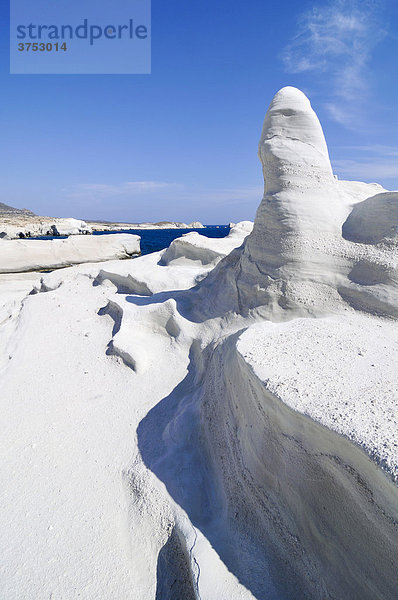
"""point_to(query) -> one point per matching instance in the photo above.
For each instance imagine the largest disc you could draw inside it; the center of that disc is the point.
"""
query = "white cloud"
(127, 188)
(337, 40)
(340, 113)
(370, 163)
(154, 189)
(377, 149)
(366, 170)
(155, 201)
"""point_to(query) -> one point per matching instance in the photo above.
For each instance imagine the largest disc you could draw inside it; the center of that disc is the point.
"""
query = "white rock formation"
(194, 254)
(300, 258)
(356, 403)
(15, 226)
(196, 225)
(174, 430)
(374, 221)
(34, 255)
(193, 247)
(105, 226)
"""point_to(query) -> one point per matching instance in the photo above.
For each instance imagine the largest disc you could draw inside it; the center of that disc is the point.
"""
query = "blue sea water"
(153, 240)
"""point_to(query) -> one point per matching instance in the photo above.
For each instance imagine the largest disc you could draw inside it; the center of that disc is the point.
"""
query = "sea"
(153, 240)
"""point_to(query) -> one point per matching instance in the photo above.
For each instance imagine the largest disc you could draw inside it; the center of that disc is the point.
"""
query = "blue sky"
(181, 143)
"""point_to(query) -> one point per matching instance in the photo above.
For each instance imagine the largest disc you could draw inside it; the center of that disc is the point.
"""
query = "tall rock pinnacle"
(301, 201)
(292, 147)
(303, 257)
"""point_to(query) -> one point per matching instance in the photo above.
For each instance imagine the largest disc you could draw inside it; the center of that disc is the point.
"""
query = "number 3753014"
(41, 47)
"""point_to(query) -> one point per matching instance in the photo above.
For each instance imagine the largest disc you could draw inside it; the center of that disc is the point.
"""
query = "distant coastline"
(21, 223)
(117, 226)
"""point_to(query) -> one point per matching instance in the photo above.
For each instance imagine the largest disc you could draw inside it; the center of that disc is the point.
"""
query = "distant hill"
(10, 210)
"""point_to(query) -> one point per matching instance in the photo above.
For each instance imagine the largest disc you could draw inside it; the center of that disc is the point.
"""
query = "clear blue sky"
(181, 143)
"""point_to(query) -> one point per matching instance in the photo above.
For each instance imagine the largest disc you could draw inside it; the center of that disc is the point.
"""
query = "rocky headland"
(22, 223)
(108, 226)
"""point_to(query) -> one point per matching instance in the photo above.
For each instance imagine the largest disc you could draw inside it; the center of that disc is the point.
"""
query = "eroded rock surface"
(217, 420)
